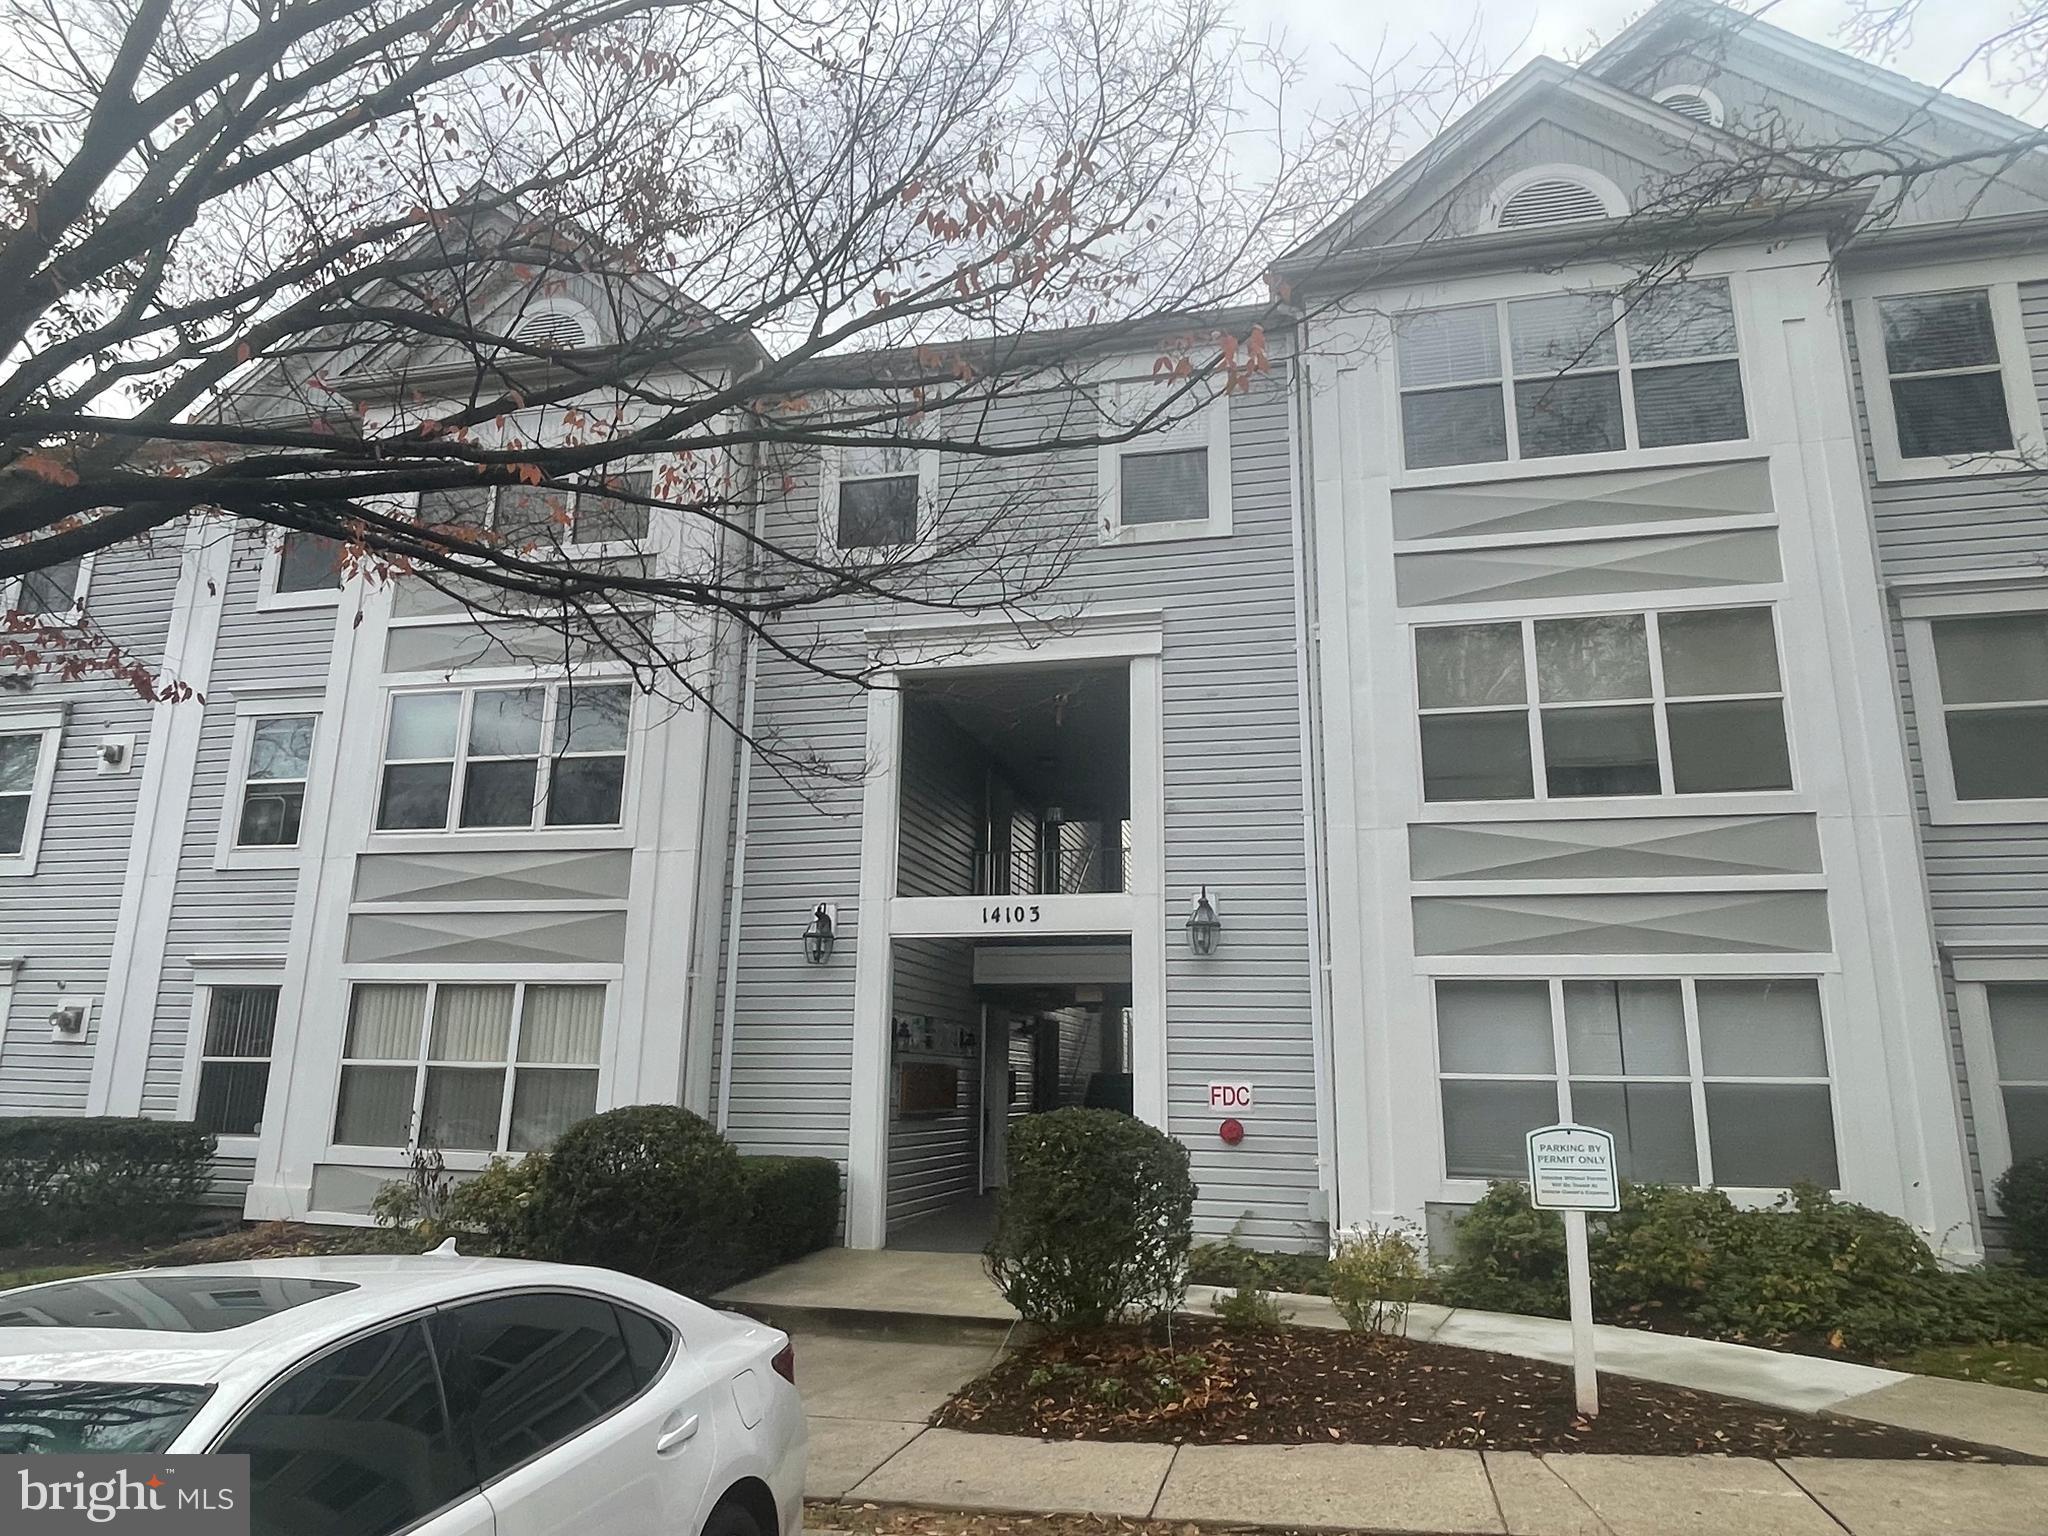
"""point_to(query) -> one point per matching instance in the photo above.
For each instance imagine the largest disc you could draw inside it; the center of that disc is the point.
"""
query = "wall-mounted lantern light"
(818, 936)
(1204, 926)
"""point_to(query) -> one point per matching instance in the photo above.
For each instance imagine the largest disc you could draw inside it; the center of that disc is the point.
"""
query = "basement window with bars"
(1701, 1081)
(1573, 373)
(468, 1066)
(234, 1059)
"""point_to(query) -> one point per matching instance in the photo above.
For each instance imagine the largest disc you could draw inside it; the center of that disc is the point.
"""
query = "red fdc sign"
(1230, 1096)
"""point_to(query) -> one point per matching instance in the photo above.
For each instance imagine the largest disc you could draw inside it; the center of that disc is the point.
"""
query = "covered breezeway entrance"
(1011, 939)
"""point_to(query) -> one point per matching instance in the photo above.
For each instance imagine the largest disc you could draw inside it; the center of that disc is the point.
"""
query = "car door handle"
(676, 1435)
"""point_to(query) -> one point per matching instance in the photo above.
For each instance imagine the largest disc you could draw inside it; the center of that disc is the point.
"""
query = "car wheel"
(733, 1518)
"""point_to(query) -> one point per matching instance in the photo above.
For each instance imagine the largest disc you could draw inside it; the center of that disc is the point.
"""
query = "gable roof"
(1707, 16)
(1465, 147)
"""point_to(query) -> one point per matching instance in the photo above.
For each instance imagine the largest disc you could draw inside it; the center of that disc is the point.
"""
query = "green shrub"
(793, 1205)
(1375, 1276)
(68, 1179)
(1229, 1263)
(496, 1207)
(649, 1189)
(1807, 1269)
(1096, 1220)
(2023, 1196)
(1509, 1257)
(1249, 1307)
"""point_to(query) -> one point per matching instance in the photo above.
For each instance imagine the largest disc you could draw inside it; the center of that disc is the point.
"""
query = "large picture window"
(523, 756)
(1701, 1081)
(467, 1066)
(613, 511)
(1572, 373)
(1678, 702)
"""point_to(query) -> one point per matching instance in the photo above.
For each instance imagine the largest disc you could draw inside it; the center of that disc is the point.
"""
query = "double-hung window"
(468, 1066)
(52, 593)
(1571, 373)
(877, 489)
(1171, 481)
(301, 570)
(1701, 1081)
(234, 1059)
(1943, 374)
(28, 765)
(514, 757)
(278, 759)
(1680, 702)
(2018, 1012)
(1993, 681)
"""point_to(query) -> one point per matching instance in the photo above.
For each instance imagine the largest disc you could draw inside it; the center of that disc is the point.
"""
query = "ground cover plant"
(1203, 1383)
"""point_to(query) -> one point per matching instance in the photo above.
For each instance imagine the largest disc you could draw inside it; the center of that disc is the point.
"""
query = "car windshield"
(61, 1417)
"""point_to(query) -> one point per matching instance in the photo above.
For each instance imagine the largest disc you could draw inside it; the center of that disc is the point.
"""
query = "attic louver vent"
(1551, 202)
(1689, 104)
(555, 329)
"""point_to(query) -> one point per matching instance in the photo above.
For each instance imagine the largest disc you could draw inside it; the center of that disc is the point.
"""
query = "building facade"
(1574, 697)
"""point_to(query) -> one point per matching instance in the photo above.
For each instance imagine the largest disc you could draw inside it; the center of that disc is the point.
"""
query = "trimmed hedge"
(650, 1189)
(68, 1179)
(1096, 1220)
(793, 1207)
(1809, 1270)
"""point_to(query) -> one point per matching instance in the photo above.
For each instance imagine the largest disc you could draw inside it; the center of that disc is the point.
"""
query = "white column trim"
(867, 1118)
(127, 1015)
(1147, 895)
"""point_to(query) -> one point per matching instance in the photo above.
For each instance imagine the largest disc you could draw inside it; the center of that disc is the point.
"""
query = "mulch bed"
(1289, 1386)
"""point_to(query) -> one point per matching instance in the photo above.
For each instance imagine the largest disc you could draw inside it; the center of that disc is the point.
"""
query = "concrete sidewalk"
(870, 1398)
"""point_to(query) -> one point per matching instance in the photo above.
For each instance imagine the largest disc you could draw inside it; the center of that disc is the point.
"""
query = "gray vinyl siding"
(1985, 883)
(1233, 821)
(61, 919)
(936, 1158)
(246, 913)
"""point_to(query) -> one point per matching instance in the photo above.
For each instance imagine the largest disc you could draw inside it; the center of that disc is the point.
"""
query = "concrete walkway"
(946, 1298)
(869, 1399)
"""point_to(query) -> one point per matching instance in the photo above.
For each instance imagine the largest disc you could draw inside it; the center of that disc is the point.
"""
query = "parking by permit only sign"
(1571, 1169)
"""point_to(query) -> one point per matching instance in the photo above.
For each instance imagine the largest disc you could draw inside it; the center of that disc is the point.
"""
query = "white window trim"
(594, 549)
(1632, 455)
(1919, 613)
(831, 466)
(1541, 802)
(205, 980)
(10, 592)
(433, 978)
(1659, 968)
(1612, 198)
(49, 723)
(229, 854)
(383, 839)
(2015, 364)
(1716, 112)
(268, 598)
(1980, 1054)
(1207, 426)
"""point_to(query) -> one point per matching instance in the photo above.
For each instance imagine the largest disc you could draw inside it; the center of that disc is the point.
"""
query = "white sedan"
(431, 1394)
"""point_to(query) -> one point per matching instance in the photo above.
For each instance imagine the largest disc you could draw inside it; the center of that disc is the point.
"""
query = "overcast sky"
(1565, 29)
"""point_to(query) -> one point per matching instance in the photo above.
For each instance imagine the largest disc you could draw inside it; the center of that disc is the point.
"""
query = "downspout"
(736, 899)
(1307, 632)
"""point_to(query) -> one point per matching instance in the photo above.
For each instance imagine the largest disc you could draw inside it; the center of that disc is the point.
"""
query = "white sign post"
(1571, 1169)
